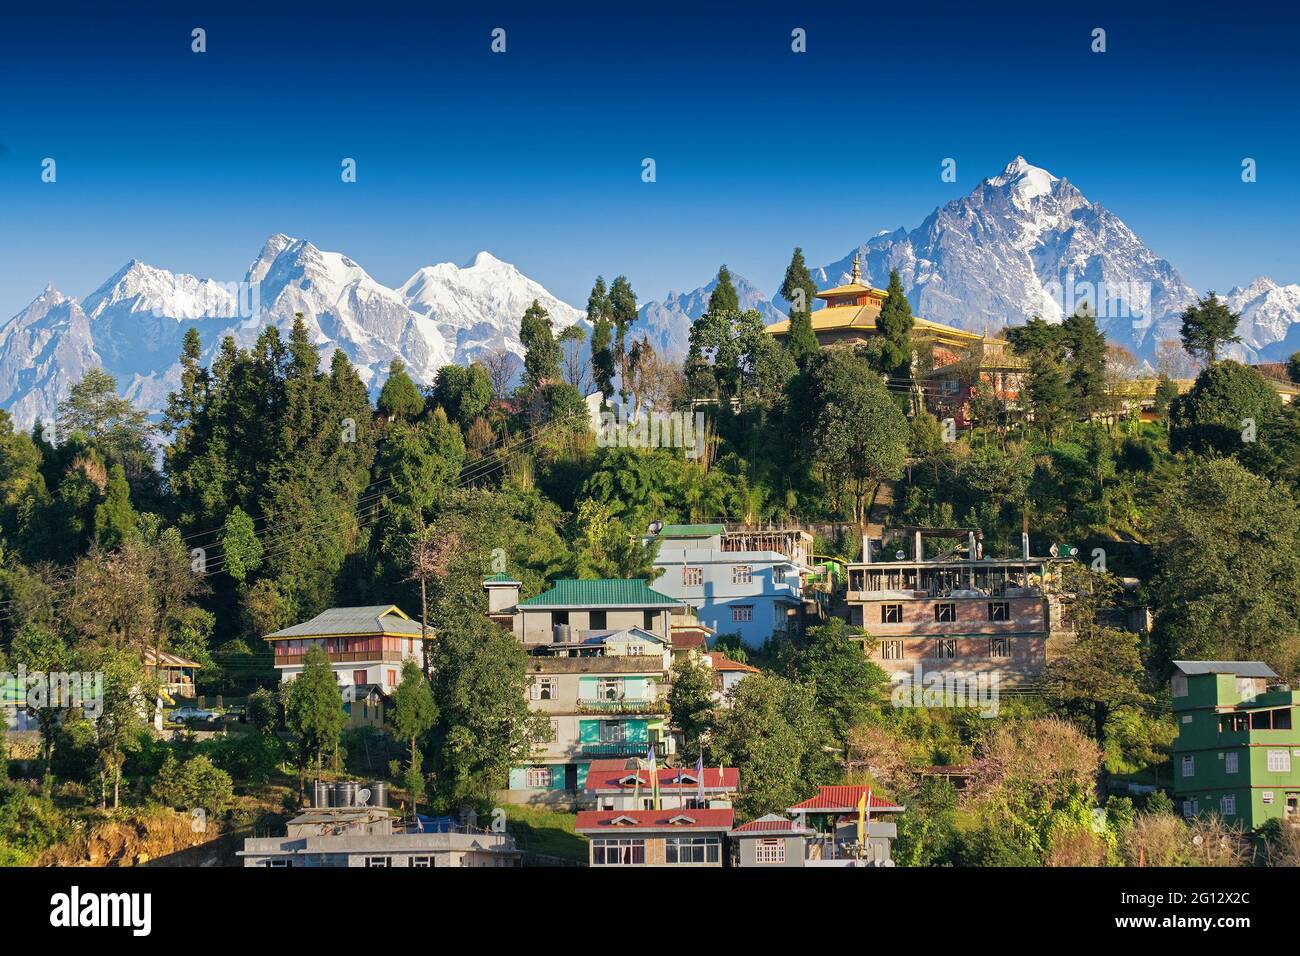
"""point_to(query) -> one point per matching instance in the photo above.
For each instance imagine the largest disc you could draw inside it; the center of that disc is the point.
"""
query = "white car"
(184, 715)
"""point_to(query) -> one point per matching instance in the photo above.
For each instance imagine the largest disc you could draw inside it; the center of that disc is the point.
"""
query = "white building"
(366, 647)
(746, 582)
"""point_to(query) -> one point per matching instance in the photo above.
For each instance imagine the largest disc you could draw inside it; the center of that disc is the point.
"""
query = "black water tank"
(378, 793)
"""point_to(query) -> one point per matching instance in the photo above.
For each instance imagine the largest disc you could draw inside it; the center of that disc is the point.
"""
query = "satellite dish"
(900, 555)
(363, 797)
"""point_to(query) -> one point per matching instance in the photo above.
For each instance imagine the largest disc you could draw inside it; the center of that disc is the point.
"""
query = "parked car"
(187, 715)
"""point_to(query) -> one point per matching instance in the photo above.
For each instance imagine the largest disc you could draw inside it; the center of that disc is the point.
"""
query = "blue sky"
(188, 161)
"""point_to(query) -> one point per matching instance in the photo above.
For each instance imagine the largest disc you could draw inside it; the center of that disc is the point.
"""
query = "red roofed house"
(674, 837)
(625, 785)
(834, 817)
(773, 840)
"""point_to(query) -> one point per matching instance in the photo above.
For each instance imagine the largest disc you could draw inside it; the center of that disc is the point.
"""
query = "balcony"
(349, 657)
(622, 707)
(625, 748)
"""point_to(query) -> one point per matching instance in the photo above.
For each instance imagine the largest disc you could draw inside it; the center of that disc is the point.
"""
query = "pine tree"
(894, 324)
(400, 397)
(622, 311)
(240, 546)
(600, 315)
(413, 716)
(541, 351)
(313, 707)
(800, 291)
(115, 519)
(723, 298)
(1087, 362)
(1208, 326)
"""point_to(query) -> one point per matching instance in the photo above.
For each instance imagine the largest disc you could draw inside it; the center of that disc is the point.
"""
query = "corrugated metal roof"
(620, 779)
(1240, 668)
(373, 619)
(500, 578)
(605, 821)
(600, 592)
(842, 799)
(691, 530)
(772, 824)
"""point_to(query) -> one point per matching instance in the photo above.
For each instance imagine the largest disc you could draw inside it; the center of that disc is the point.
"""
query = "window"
(1266, 797)
(1230, 763)
(1279, 761)
(1228, 804)
(617, 852)
(612, 732)
(891, 614)
(692, 850)
(636, 650)
(946, 613)
(891, 650)
(1189, 766)
(999, 611)
(769, 851)
(692, 577)
(278, 864)
(359, 677)
(742, 574)
(742, 613)
(999, 647)
(1271, 719)
(598, 620)
(649, 619)
(422, 862)
(380, 862)
(609, 689)
(544, 688)
(1231, 723)
(945, 648)
(538, 778)
(1179, 685)
(1190, 808)
(778, 575)
(392, 677)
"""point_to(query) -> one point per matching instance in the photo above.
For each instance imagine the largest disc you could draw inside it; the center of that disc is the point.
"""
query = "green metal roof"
(500, 578)
(601, 592)
(691, 530)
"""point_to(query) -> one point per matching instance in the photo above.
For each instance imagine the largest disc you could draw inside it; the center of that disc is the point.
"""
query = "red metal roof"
(721, 662)
(772, 823)
(842, 799)
(612, 821)
(611, 778)
(686, 642)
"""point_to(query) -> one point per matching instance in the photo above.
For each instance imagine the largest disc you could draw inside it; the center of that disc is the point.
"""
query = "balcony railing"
(626, 748)
(347, 657)
(622, 707)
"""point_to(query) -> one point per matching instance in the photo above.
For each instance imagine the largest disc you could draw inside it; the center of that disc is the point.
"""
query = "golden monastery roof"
(853, 288)
(862, 318)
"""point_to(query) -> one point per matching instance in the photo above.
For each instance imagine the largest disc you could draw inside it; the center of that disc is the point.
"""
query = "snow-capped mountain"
(467, 304)
(1270, 317)
(668, 323)
(1024, 243)
(133, 325)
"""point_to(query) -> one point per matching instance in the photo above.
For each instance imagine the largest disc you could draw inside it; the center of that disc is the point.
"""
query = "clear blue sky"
(189, 161)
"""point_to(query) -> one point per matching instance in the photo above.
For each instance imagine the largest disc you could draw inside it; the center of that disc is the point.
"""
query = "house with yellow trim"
(366, 647)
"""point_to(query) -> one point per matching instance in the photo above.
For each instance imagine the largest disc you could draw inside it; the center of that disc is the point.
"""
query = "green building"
(1238, 749)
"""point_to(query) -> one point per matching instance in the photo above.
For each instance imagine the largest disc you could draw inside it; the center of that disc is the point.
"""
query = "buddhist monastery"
(849, 318)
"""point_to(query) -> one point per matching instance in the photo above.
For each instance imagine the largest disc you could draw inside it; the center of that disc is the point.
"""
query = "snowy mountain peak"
(1026, 180)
